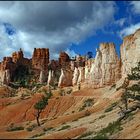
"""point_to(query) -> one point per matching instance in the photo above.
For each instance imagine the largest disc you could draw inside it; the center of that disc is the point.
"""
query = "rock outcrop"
(5, 77)
(63, 58)
(65, 78)
(75, 76)
(130, 52)
(40, 58)
(42, 77)
(106, 68)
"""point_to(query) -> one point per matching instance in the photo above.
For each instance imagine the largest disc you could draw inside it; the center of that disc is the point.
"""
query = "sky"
(72, 26)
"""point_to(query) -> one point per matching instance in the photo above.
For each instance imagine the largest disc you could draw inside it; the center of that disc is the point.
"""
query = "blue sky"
(74, 27)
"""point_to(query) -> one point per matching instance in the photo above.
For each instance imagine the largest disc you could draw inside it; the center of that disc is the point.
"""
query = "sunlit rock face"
(106, 68)
(63, 58)
(42, 77)
(5, 77)
(65, 78)
(130, 52)
(75, 76)
(81, 77)
(40, 58)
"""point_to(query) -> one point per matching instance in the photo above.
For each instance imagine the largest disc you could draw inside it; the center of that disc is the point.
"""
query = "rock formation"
(81, 77)
(75, 76)
(63, 58)
(130, 52)
(42, 77)
(65, 78)
(106, 68)
(50, 77)
(40, 58)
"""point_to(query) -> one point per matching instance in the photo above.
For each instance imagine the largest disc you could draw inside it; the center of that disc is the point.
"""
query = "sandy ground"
(64, 111)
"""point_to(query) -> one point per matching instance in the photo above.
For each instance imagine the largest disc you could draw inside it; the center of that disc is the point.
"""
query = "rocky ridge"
(106, 69)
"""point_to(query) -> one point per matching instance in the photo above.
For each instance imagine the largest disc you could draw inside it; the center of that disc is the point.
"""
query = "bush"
(64, 127)
(109, 130)
(87, 103)
(85, 135)
(16, 128)
(30, 128)
(110, 108)
(48, 129)
(102, 116)
(38, 135)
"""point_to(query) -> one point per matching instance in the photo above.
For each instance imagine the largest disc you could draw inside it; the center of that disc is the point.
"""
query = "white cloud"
(135, 7)
(120, 22)
(71, 53)
(129, 30)
(53, 25)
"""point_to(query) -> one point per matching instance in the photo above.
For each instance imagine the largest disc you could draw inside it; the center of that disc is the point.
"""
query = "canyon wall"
(130, 52)
(105, 69)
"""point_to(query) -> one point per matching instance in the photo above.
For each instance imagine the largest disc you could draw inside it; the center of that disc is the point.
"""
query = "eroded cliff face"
(65, 78)
(40, 58)
(130, 52)
(105, 70)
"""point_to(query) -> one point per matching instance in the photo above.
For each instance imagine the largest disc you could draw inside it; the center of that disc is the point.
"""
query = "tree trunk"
(38, 123)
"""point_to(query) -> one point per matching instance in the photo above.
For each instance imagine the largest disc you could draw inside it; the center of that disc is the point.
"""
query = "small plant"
(87, 103)
(85, 135)
(30, 128)
(69, 91)
(113, 86)
(64, 127)
(48, 129)
(110, 108)
(16, 128)
(102, 116)
(112, 128)
(38, 135)
(73, 111)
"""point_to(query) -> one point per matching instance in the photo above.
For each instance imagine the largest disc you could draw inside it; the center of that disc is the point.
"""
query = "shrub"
(38, 135)
(87, 103)
(85, 135)
(30, 128)
(48, 129)
(102, 116)
(16, 128)
(64, 127)
(109, 130)
(110, 108)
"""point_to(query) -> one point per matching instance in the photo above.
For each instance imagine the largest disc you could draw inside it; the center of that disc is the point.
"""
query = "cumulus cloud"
(135, 7)
(51, 24)
(129, 30)
(120, 22)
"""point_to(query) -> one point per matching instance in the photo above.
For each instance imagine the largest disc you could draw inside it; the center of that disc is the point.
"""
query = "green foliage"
(135, 73)
(110, 108)
(133, 92)
(16, 128)
(40, 105)
(112, 128)
(48, 129)
(38, 135)
(85, 135)
(87, 103)
(102, 116)
(30, 128)
(64, 127)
